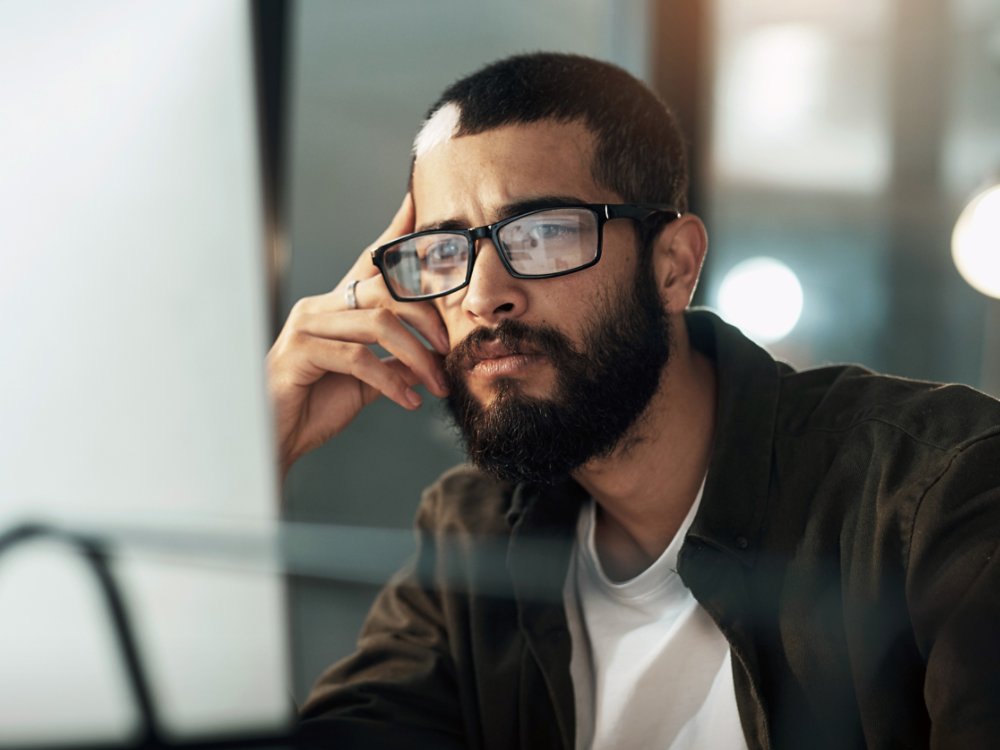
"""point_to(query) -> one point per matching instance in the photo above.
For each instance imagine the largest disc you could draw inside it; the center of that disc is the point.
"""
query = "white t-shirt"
(650, 668)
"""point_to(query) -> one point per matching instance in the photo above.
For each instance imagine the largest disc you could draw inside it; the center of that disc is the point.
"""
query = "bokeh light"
(763, 297)
(975, 243)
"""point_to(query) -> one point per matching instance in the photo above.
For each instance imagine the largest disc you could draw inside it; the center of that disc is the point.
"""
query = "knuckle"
(292, 341)
(383, 318)
(300, 308)
(354, 354)
(358, 356)
(300, 313)
(283, 348)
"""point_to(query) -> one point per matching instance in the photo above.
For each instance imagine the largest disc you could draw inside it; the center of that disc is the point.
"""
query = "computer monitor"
(133, 328)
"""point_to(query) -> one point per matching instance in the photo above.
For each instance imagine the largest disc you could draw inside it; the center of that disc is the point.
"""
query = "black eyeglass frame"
(604, 212)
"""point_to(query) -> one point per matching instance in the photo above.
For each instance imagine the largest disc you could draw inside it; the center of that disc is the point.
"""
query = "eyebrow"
(507, 210)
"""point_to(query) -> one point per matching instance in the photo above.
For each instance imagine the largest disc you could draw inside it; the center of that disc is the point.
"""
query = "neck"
(645, 489)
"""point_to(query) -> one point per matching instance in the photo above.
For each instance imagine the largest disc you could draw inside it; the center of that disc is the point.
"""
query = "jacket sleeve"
(953, 589)
(399, 688)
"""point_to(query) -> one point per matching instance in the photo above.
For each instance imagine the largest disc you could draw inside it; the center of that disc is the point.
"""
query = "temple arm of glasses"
(641, 211)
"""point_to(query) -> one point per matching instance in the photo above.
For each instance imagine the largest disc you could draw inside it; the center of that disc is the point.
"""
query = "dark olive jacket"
(846, 545)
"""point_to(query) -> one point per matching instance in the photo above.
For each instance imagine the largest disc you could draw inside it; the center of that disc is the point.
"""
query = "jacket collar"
(733, 506)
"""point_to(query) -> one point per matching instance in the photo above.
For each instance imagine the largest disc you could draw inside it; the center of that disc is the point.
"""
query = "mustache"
(514, 336)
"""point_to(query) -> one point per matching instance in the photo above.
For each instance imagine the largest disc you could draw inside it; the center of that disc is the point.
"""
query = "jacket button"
(742, 542)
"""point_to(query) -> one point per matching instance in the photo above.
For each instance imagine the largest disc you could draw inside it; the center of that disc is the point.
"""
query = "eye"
(446, 252)
(553, 231)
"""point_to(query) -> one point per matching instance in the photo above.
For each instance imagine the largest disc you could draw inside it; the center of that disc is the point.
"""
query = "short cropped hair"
(639, 149)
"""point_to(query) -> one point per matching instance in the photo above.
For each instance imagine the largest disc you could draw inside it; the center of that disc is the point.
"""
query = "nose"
(492, 294)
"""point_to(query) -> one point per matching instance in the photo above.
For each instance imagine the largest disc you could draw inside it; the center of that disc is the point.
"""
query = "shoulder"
(466, 499)
(847, 398)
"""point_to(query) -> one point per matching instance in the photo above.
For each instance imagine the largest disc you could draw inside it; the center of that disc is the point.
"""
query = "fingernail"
(442, 384)
(413, 397)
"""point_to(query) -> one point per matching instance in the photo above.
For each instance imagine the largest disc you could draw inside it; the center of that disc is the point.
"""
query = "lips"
(510, 365)
(502, 350)
(496, 350)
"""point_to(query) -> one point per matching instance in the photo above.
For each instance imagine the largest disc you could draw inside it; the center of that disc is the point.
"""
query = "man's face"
(546, 373)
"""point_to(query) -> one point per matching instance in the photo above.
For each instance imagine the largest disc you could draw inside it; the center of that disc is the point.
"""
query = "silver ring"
(351, 296)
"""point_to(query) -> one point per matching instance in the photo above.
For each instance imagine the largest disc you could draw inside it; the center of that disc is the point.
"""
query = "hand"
(320, 370)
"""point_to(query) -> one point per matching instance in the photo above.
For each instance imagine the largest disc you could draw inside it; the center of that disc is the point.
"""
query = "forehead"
(472, 177)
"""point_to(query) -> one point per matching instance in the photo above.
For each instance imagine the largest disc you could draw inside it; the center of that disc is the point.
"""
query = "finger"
(426, 320)
(369, 393)
(372, 294)
(380, 326)
(364, 268)
(423, 316)
(358, 361)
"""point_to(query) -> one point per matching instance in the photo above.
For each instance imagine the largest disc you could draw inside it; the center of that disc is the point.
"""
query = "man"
(668, 539)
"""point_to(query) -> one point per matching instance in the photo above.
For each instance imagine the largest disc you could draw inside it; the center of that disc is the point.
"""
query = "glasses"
(538, 244)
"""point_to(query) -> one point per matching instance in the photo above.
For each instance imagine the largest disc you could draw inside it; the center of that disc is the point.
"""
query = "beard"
(599, 395)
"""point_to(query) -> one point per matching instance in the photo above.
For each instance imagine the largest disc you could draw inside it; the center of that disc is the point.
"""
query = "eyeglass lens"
(536, 244)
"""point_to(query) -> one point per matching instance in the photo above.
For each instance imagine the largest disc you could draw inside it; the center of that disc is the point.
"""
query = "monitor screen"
(133, 328)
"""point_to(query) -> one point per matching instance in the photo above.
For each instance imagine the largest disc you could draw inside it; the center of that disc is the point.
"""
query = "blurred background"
(834, 146)
(175, 175)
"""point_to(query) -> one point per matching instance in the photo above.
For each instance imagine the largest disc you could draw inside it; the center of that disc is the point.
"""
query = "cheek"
(574, 298)
(449, 309)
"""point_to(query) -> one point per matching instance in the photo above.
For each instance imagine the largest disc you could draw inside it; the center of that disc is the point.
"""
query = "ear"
(678, 255)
